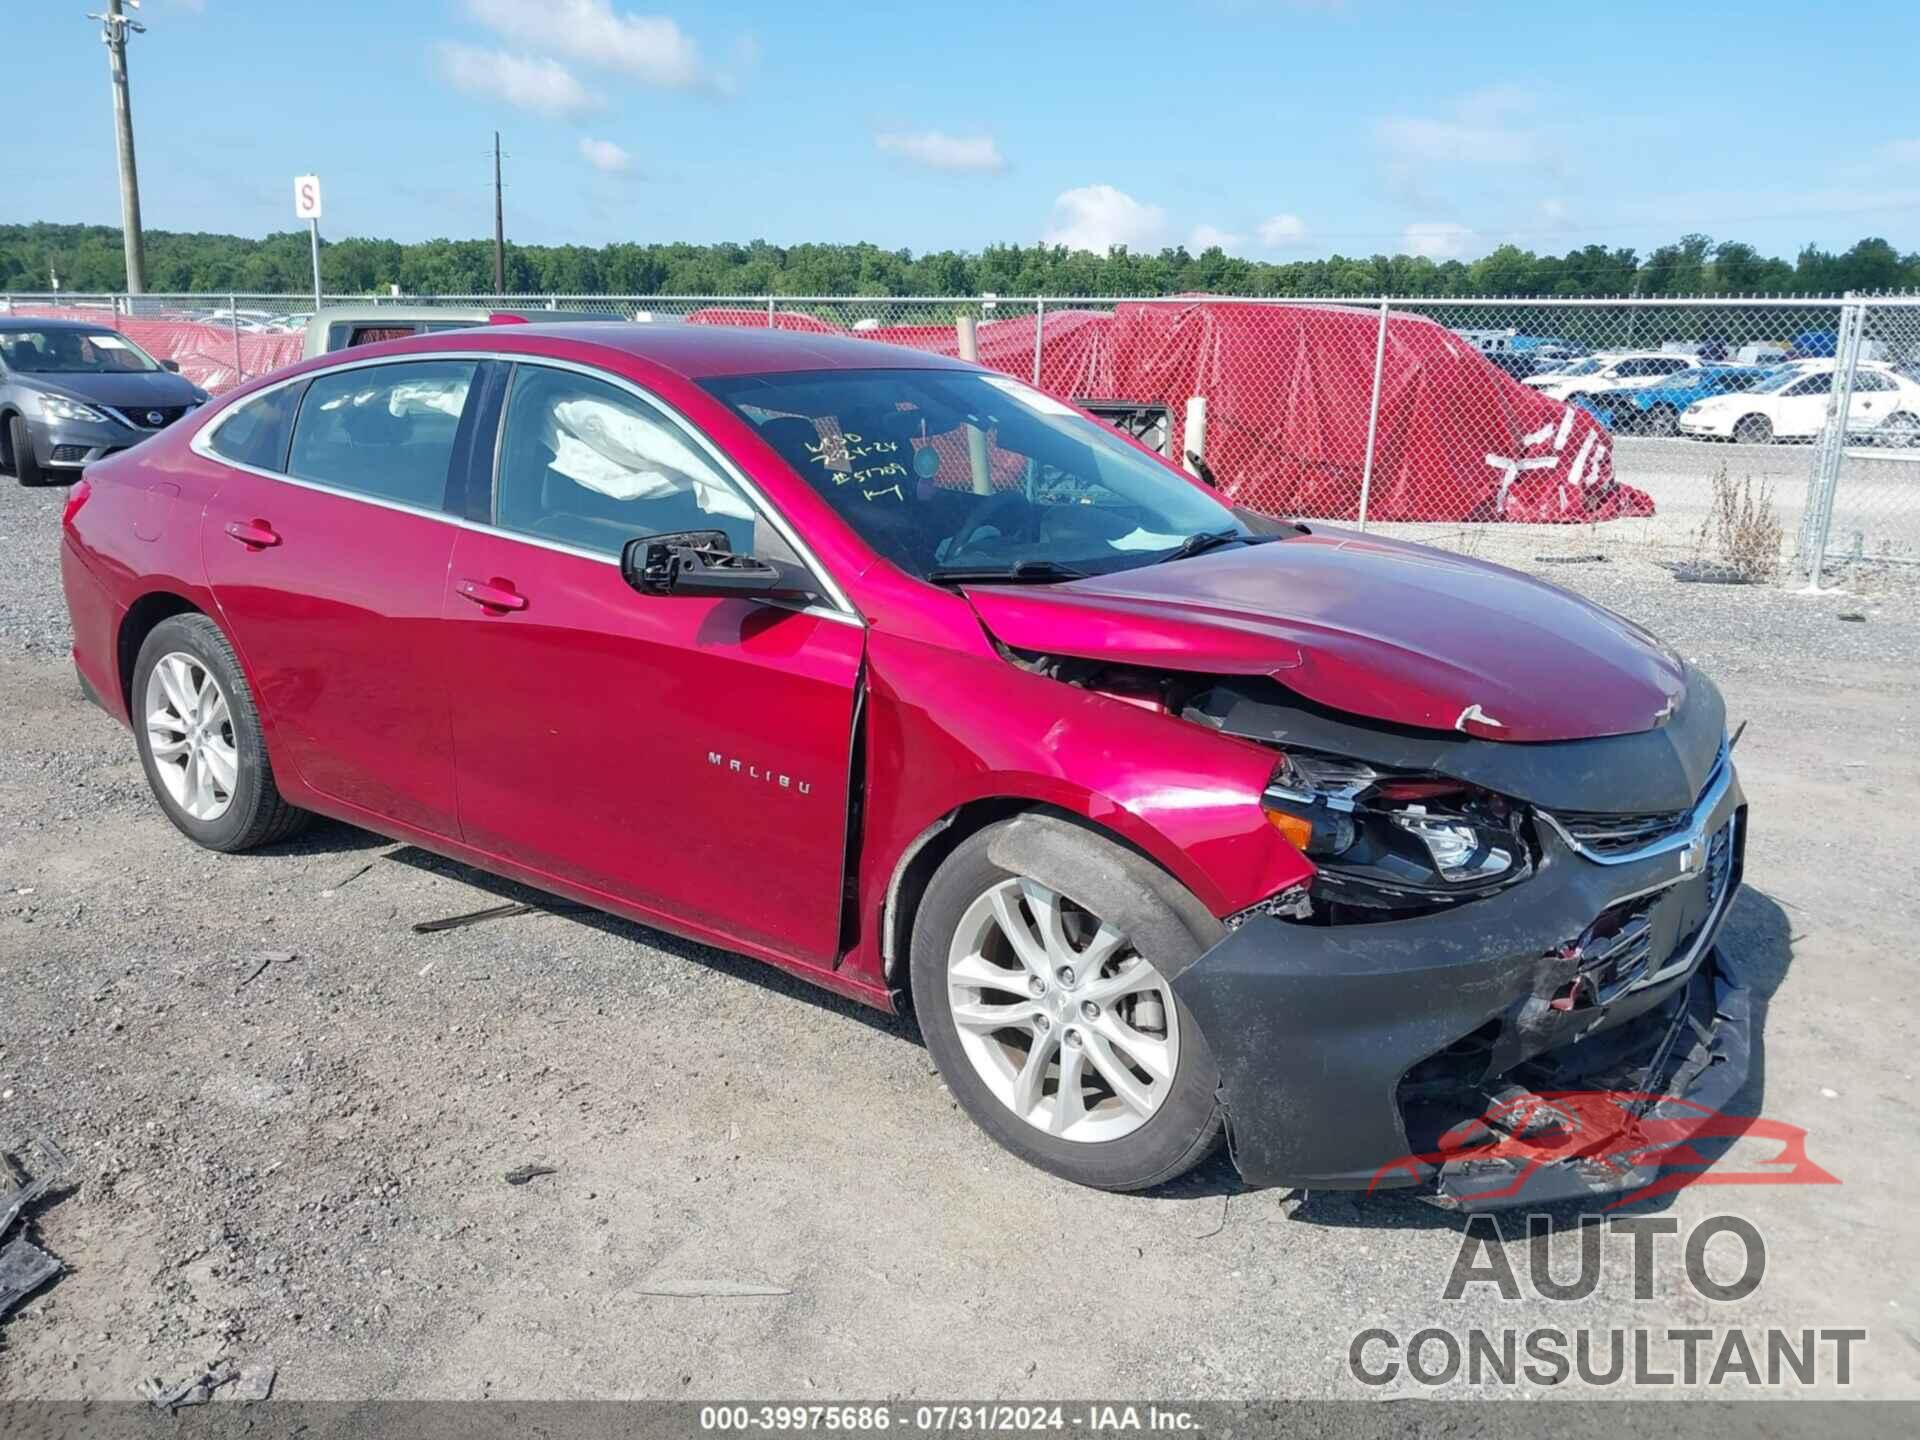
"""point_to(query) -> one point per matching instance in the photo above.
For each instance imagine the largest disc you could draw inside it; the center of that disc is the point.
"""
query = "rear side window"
(255, 432)
(589, 464)
(385, 431)
(344, 337)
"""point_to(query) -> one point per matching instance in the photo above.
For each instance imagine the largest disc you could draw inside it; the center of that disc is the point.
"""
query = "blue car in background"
(1656, 410)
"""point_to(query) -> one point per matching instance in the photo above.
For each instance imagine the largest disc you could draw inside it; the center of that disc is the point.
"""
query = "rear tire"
(26, 469)
(1899, 430)
(228, 779)
(1753, 430)
(1140, 1130)
(1661, 421)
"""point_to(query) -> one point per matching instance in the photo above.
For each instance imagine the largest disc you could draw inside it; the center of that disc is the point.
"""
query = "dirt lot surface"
(303, 1163)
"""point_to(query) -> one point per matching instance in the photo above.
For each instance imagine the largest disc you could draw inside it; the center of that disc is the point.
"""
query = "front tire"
(1054, 1033)
(198, 732)
(1662, 421)
(1753, 430)
(26, 468)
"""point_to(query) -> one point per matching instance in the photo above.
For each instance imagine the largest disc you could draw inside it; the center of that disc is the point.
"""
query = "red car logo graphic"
(1612, 1134)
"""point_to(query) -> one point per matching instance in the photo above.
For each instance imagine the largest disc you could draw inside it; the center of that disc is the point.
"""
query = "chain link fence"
(1703, 435)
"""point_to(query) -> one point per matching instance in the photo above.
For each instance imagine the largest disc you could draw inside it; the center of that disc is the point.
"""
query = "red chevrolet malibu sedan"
(1165, 818)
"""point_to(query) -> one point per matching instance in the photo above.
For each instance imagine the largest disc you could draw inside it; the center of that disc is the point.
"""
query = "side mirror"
(700, 562)
(170, 366)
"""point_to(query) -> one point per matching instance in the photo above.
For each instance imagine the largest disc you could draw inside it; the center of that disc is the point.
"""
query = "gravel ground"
(303, 1164)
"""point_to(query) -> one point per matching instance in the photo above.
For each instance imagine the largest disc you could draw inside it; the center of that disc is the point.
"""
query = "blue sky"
(1280, 128)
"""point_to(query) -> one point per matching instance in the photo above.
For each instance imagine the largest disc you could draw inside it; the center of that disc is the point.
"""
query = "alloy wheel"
(1066, 1023)
(190, 735)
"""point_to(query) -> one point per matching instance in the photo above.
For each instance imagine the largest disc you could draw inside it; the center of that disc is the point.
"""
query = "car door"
(1874, 398)
(326, 546)
(687, 756)
(1802, 406)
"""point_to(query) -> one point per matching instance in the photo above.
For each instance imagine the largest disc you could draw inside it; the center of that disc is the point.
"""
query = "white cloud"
(1205, 237)
(521, 81)
(651, 48)
(1098, 217)
(1283, 232)
(1436, 239)
(605, 156)
(1486, 127)
(956, 154)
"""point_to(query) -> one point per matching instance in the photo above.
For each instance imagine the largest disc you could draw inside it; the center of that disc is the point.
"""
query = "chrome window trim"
(840, 609)
(1718, 783)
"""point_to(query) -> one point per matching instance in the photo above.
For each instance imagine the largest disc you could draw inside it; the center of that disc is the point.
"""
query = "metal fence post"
(1373, 414)
(770, 324)
(1831, 450)
(233, 319)
(1039, 335)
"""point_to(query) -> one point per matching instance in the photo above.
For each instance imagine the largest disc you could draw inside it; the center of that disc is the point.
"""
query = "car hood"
(123, 391)
(1368, 626)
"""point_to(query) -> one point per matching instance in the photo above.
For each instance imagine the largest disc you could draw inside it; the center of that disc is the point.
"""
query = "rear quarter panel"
(137, 535)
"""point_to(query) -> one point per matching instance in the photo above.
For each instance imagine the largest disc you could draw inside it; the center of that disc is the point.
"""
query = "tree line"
(89, 258)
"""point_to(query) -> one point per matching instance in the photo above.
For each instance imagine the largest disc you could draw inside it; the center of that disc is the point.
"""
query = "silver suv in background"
(72, 392)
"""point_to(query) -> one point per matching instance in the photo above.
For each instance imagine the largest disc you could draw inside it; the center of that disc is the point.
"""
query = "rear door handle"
(254, 534)
(494, 595)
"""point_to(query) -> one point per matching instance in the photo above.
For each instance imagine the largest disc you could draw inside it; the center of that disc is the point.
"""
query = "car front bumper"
(1346, 1051)
(74, 443)
(1706, 428)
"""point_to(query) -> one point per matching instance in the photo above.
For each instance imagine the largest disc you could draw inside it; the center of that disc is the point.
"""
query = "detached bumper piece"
(1616, 1144)
(1374, 1055)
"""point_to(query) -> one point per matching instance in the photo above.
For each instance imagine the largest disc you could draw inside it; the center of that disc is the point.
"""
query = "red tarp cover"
(1287, 390)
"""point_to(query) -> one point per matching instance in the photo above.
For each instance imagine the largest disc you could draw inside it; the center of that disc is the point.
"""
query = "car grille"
(1619, 834)
(1615, 950)
(1615, 954)
(147, 417)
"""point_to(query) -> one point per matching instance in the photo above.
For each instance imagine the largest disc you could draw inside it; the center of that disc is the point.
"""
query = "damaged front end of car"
(1487, 922)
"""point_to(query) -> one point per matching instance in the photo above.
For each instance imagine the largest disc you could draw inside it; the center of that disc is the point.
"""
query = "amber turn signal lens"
(1297, 829)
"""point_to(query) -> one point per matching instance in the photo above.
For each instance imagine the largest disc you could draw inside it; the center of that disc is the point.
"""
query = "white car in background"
(1598, 374)
(1792, 405)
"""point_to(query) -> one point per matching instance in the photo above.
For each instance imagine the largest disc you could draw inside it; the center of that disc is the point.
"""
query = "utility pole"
(114, 25)
(499, 226)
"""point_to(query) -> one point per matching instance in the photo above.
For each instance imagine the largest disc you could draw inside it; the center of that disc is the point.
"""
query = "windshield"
(1580, 367)
(73, 352)
(947, 471)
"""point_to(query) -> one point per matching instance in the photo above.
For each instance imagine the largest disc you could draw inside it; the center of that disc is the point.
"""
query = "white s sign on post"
(306, 206)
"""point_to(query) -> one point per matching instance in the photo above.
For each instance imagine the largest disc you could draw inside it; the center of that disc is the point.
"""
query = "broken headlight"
(1387, 839)
(1460, 851)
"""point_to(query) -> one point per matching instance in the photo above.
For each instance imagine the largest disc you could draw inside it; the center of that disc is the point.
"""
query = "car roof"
(692, 351)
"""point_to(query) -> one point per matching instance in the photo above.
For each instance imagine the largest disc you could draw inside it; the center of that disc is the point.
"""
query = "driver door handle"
(254, 534)
(494, 595)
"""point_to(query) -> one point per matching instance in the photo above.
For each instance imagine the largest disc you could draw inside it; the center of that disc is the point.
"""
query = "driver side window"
(591, 465)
